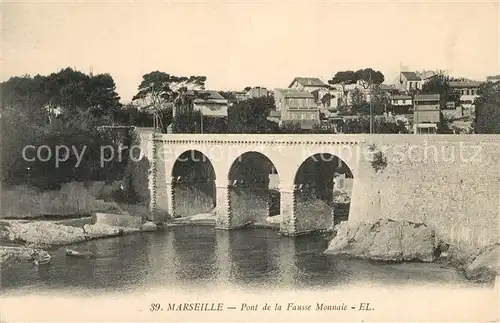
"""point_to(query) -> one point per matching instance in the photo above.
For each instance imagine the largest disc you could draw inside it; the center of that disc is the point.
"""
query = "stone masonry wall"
(451, 183)
(248, 204)
(312, 213)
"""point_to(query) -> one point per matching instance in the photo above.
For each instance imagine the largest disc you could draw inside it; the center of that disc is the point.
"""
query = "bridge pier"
(169, 189)
(163, 200)
(365, 202)
(288, 226)
(223, 216)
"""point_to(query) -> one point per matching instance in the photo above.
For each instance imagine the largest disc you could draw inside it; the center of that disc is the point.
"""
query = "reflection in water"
(194, 249)
(162, 261)
(253, 260)
(224, 258)
(204, 256)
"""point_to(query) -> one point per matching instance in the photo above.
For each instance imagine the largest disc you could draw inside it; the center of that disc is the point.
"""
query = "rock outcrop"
(11, 255)
(149, 226)
(485, 266)
(101, 231)
(117, 220)
(385, 240)
(44, 233)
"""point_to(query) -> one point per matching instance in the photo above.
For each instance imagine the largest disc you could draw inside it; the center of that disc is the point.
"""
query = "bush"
(80, 134)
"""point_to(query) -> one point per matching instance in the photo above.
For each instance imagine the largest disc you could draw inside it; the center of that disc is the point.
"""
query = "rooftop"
(387, 87)
(142, 105)
(309, 81)
(427, 97)
(400, 97)
(464, 83)
(426, 74)
(207, 95)
(210, 111)
(290, 93)
(411, 76)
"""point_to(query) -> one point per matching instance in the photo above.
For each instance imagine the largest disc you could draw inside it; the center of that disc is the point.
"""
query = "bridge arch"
(323, 186)
(253, 188)
(193, 184)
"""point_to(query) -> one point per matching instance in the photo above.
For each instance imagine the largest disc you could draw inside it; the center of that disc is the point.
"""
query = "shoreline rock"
(404, 241)
(117, 220)
(149, 226)
(485, 266)
(97, 231)
(12, 255)
(44, 234)
(385, 240)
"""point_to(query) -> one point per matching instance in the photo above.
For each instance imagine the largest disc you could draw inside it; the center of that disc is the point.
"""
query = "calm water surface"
(185, 257)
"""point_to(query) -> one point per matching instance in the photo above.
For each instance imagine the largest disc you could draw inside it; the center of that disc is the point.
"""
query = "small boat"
(248, 224)
(42, 260)
(78, 254)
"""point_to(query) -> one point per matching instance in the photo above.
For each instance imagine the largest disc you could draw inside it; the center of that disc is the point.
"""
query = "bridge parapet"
(267, 139)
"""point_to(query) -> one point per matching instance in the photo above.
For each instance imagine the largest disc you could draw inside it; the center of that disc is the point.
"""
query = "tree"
(69, 91)
(26, 96)
(368, 77)
(358, 125)
(228, 95)
(444, 126)
(440, 84)
(290, 127)
(250, 116)
(157, 87)
(488, 109)
(384, 126)
(358, 101)
(129, 115)
(101, 95)
(326, 99)
(66, 90)
(380, 100)
(84, 103)
(362, 125)
(162, 91)
(72, 92)
(344, 78)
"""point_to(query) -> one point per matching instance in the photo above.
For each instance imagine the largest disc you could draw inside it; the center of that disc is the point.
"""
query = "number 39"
(155, 307)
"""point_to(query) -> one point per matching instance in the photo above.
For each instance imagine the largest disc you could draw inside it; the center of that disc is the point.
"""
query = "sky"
(248, 43)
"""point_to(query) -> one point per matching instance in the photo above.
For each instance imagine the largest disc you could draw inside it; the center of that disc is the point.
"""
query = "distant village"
(311, 102)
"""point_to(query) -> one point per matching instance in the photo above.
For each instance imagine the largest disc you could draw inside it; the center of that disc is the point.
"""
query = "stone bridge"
(249, 177)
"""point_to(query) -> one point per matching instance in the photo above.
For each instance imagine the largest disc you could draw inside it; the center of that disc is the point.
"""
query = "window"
(426, 130)
(423, 103)
(341, 183)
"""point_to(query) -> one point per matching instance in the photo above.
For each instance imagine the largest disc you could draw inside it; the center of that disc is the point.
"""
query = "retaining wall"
(450, 182)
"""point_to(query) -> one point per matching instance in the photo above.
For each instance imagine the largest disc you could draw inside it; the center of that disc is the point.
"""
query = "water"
(194, 257)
